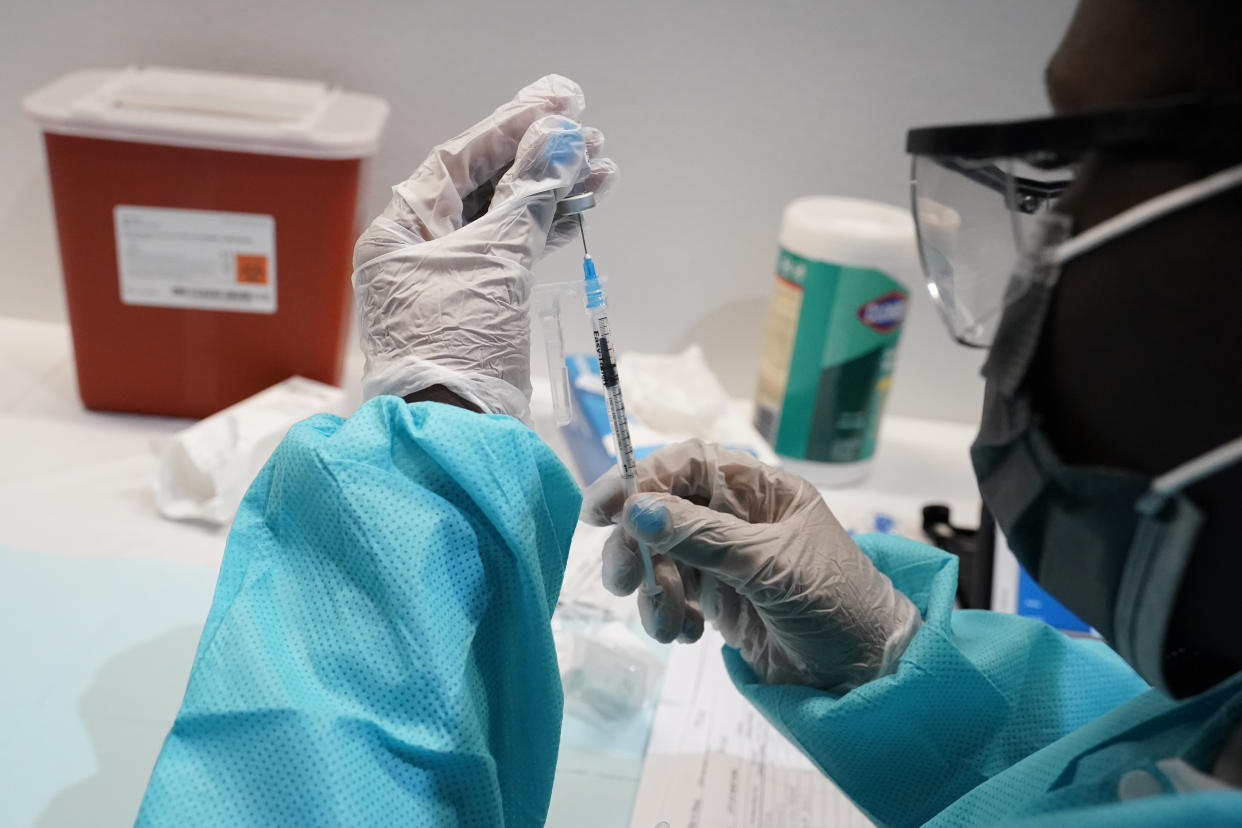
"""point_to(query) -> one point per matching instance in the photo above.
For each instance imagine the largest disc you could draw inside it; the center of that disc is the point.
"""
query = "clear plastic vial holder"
(546, 302)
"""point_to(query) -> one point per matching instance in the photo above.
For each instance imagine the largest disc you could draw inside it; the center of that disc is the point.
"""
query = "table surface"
(101, 600)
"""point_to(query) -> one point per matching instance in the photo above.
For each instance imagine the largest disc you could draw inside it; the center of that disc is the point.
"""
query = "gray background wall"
(718, 113)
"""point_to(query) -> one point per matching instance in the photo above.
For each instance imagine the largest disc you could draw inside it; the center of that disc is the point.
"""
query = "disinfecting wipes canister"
(837, 307)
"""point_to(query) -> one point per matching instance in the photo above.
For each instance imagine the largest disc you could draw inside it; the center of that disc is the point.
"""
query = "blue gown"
(992, 719)
(378, 652)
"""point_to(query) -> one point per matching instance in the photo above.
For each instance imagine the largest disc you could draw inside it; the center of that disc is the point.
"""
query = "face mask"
(1112, 545)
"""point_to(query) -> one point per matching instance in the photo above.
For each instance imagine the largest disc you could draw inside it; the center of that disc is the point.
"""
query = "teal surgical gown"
(993, 719)
(378, 650)
(378, 653)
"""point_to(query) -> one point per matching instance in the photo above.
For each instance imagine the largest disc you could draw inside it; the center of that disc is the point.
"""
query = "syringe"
(597, 310)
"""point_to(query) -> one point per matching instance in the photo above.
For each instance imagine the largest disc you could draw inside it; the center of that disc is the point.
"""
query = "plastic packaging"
(206, 226)
(838, 303)
(608, 673)
(546, 304)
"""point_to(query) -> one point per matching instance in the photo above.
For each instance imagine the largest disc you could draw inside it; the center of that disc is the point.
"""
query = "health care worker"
(1109, 452)
(378, 649)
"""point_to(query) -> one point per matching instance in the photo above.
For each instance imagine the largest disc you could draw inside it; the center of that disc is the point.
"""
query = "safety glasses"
(977, 189)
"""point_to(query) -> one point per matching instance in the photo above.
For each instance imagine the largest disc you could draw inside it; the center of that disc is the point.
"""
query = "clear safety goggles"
(977, 189)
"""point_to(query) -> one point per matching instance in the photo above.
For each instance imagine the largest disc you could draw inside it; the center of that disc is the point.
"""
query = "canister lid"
(210, 110)
(853, 232)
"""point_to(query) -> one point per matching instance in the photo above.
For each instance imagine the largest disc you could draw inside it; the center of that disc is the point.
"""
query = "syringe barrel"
(604, 350)
(597, 309)
(629, 484)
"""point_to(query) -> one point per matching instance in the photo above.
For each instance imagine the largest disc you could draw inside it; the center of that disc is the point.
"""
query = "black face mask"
(1109, 543)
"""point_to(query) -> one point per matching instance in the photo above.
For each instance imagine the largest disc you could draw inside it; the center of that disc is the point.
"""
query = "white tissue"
(676, 397)
(205, 470)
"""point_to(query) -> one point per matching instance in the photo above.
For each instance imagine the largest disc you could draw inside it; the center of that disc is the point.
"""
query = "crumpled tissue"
(205, 470)
(676, 397)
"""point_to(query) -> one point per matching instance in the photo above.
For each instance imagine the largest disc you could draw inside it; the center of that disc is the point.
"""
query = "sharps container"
(838, 303)
(206, 226)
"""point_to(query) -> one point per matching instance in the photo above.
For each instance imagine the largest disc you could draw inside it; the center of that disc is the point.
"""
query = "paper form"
(714, 762)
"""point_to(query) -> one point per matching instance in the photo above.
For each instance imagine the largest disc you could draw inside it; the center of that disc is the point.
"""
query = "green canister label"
(827, 359)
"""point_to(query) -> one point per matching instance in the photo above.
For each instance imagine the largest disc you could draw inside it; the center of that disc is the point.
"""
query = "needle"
(582, 231)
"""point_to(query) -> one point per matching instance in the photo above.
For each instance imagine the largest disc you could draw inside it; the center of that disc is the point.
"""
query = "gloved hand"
(442, 279)
(757, 551)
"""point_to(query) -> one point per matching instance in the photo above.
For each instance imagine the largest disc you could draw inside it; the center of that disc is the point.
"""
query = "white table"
(101, 600)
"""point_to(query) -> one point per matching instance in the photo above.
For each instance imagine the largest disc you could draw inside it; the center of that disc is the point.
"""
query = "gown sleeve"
(378, 649)
(975, 692)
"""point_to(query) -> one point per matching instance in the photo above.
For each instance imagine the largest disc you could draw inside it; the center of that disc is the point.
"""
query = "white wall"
(718, 113)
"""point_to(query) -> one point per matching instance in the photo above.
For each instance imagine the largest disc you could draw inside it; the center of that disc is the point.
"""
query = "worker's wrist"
(408, 376)
(440, 394)
(910, 621)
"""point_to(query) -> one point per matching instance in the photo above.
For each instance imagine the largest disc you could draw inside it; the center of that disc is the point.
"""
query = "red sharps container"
(206, 224)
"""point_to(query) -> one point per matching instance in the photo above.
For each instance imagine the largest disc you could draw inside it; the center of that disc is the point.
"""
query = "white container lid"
(209, 110)
(851, 232)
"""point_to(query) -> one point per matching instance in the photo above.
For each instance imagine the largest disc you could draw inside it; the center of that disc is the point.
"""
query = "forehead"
(1122, 51)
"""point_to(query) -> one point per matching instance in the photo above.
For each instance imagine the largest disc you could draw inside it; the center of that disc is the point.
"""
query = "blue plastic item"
(1036, 602)
(587, 433)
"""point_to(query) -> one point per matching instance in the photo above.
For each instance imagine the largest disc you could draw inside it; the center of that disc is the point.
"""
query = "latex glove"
(442, 279)
(757, 552)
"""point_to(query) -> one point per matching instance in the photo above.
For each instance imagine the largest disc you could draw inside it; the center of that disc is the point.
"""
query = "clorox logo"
(883, 313)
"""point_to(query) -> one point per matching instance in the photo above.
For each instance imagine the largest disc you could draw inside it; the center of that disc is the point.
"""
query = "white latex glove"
(442, 279)
(758, 553)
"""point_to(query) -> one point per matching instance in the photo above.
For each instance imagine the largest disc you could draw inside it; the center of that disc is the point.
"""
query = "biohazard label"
(204, 259)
